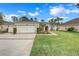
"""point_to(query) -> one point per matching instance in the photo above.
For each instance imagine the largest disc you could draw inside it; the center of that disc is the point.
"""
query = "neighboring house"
(72, 23)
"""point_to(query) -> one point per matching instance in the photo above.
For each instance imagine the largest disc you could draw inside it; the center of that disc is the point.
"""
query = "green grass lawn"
(64, 44)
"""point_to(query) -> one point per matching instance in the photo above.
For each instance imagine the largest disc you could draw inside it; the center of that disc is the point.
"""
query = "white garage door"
(26, 29)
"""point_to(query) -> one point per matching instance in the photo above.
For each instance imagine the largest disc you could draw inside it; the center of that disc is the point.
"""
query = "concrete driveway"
(16, 45)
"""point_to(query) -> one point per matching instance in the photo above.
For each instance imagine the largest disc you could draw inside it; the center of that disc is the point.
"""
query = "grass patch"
(64, 44)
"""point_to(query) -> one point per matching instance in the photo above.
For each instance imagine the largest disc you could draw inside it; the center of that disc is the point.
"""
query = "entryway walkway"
(53, 33)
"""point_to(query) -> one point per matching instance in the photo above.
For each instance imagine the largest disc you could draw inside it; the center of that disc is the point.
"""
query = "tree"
(23, 18)
(42, 20)
(58, 22)
(55, 22)
(36, 19)
(52, 23)
(31, 19)
(1, 20)
(42, 24)
(14, 19)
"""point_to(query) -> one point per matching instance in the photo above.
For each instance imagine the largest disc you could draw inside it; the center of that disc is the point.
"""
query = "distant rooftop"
(73, 21)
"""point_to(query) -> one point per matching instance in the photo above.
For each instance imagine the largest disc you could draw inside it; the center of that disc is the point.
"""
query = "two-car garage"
(25, 27)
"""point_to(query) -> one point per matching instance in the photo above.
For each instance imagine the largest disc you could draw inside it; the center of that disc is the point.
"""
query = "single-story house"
(24, 26)
(72, 23)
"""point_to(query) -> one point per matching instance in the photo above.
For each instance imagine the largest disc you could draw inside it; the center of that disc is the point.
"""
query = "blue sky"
(45, 11)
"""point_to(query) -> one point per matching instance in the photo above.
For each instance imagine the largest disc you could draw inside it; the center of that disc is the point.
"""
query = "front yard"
(64, 44)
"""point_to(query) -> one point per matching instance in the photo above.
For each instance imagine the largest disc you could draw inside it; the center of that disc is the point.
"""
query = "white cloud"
(71, 11)
(64, 17)
(74, 4)
(22, 12)
(13, 15)
(33, 14)
(40, 10)
(50, 6)
(49, 18)
(67, 11)
(60, 9)
(8, 17)
(75, 11)
(56, 10)
(37, 8)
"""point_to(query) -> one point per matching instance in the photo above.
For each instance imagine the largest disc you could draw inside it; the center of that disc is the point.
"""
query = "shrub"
(14, 30)
(37, 30)
(7, 30)
(71, 29)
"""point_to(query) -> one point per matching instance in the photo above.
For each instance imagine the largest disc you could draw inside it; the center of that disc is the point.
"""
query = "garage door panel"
(26, 29)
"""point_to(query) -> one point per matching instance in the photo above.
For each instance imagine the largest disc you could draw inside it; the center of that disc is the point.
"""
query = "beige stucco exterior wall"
(10, 28)
(68, 26)
(49, 26)
(4, 27)
(77, 28)
(62, 28)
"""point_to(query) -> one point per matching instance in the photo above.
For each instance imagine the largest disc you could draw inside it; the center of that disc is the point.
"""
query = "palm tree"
(1, 20)
(31, 19)
(55, 22)
(42, 20)
(52, 23)
(14, 19)
(42, 25)
(36, 19)
(58, 22)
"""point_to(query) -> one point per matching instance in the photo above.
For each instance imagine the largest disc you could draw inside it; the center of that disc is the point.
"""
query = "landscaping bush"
(38, 29)
(0, 31)
(71, 29)
(7, 30)
(14, 30)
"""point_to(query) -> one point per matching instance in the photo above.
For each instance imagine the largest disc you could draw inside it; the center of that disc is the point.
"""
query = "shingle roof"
(72, 22)
(8, 23)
